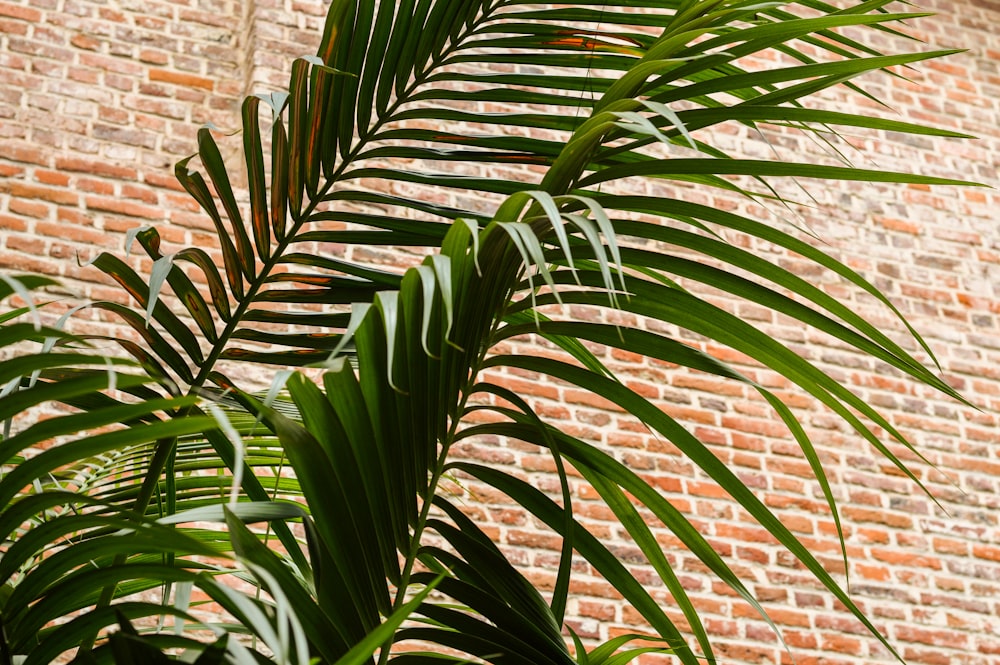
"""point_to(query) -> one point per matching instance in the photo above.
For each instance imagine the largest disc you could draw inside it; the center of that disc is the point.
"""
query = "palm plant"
(368, 148)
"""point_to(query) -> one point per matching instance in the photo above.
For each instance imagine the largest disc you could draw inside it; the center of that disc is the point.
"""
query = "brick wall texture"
(99, 98)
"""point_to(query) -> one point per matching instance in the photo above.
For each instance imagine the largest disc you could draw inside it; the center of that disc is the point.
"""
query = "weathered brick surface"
(98, 100)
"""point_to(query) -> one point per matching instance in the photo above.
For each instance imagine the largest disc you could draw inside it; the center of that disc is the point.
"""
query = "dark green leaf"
(254, 155)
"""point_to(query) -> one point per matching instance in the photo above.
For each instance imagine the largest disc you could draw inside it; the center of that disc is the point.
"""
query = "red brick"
(50, 177)
(20, 12)
(96, 167)
(123, 207)
(876, 573)
(14, 224)
(988, 552)
(31, 264)
(79, 234)
(29, 208)
(85, 42)
(839, 644)
(140, 193)
(879, 516)
(9, 170)
(20, 153)
(153, 57)
(25, 191)
(949, 546)
(921, 635)
(93, 186)
(181, 78)
(13, 27)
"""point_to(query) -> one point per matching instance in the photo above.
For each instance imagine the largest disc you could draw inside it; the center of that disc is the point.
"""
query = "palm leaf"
(74, 536)
(634, 96)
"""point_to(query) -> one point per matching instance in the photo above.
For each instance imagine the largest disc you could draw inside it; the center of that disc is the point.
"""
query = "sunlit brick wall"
(98, 100)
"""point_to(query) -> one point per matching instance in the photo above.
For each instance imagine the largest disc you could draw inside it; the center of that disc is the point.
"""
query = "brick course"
(98, 100)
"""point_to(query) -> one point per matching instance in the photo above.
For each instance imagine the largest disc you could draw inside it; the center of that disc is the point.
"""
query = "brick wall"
(98, 99)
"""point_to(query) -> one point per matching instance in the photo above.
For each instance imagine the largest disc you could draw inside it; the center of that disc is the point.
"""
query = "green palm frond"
(358, 113)
(494, 145)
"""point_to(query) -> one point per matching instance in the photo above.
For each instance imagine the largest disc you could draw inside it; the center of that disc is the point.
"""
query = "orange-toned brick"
(20, 12)
(181, 78)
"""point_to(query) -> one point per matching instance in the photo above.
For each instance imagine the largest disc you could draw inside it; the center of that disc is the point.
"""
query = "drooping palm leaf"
(53, 532)
(74, 487)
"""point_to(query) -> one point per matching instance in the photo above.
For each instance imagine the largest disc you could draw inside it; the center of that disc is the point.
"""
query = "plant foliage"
(383, 140)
